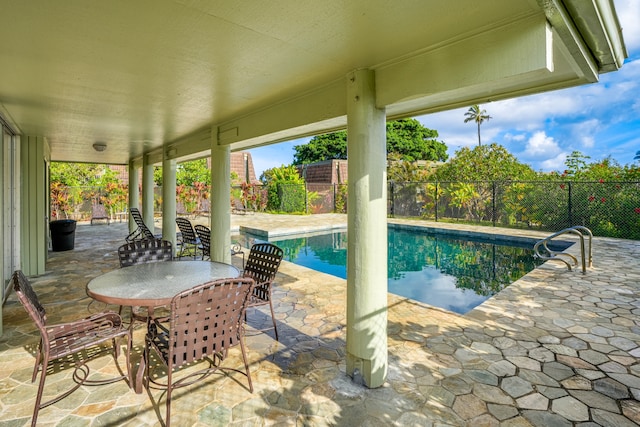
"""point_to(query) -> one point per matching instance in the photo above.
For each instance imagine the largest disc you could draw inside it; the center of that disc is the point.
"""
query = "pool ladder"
(551, 255)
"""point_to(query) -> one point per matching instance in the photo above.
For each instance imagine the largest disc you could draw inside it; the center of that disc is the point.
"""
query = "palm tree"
(475, 114)
(637, 157)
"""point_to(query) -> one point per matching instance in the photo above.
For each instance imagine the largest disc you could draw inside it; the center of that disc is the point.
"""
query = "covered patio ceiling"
(145, 76)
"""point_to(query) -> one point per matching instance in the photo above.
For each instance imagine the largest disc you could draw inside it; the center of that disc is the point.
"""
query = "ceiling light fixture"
(99, 146)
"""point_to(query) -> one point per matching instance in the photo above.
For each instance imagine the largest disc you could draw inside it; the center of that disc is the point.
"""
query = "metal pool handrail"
(551, 255)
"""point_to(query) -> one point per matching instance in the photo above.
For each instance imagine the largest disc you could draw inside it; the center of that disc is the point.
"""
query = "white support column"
(366, 233)
(134, 195)
(33, 205)
(147, 193)
(169, 201)
(220, 201)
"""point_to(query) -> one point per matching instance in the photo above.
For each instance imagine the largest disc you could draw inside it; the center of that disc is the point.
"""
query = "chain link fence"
(609, 209)
(77, 202)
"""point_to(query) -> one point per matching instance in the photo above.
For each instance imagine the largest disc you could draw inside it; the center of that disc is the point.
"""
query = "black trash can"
(63, 234)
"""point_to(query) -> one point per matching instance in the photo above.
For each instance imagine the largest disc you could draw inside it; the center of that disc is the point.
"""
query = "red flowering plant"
(60, 201)
(115, 197)
(252, 197)
(188, 196)
(202, 193)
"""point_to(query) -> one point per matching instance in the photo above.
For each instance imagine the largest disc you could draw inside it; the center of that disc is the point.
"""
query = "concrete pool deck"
(556, 348)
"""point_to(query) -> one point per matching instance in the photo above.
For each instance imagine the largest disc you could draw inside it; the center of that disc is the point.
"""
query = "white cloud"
(541, 146)
(529, 112)
(514, 137)
(554, 164)
(584, 132)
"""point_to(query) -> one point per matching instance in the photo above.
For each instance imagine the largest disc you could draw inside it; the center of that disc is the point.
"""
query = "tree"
(472, 174)
(407, 138)
(77, 174)
(72, 183)
(283, 174)
(484, 163)
(411, 141)
(194, 171)
(285, 189)
(576, 164)
(322, 147)
(187, 173)
(475, 114)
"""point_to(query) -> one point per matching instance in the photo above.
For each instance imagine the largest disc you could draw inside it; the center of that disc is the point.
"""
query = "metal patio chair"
(205, 322)
(239, 208)
(262, 266)
(204, 234)
(65, 342)
(99, 213)
(145, 251)
(188, 240)
(142, 232)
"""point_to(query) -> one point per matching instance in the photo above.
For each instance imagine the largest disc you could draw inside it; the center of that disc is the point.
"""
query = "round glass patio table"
(155, 284)
(152, 285)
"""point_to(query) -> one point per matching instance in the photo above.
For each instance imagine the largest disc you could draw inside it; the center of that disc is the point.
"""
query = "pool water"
(445, 272)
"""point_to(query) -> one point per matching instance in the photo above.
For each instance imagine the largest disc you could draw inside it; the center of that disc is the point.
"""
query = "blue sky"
(599, 120)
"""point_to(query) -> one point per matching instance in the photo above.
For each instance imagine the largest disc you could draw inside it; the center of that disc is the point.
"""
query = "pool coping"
(507, 235)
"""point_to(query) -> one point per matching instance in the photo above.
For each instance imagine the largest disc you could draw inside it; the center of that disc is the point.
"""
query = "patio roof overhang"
(170, 77)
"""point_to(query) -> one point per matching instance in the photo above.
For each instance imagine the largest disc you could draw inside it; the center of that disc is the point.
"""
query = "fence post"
(391, 202)
(570, 207)
(493, 203)
(334, 197)
(435, 204)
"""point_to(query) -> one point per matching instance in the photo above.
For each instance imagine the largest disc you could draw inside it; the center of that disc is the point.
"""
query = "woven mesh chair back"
(207, 319)
(29, 300)
(263, 263)
(142, 232)
(137, 217)
(145, 251)
(99, 212)
(187, 231)
(204, 233)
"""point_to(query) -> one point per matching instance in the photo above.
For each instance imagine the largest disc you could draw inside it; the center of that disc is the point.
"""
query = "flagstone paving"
(556, 348)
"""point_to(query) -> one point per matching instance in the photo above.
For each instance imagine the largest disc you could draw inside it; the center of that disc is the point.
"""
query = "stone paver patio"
(556, 348)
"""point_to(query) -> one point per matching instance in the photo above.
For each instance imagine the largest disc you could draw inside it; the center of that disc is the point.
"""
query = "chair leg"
(43, 376)
(146, 360)
(128, 360)
(246, 364)
(273, 318)
(36, 368)
(167, 421)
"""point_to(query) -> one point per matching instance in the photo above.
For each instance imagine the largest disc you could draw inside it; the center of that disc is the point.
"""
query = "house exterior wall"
(241, 165)
(325, 172)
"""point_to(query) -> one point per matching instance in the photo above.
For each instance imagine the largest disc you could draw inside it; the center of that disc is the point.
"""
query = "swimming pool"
(450, 272)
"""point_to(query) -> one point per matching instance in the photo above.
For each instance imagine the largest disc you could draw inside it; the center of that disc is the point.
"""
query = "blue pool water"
(445, 272)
